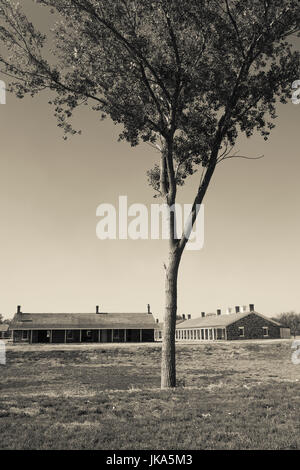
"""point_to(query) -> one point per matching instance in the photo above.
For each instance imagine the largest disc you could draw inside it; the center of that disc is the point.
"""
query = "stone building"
(242, 324)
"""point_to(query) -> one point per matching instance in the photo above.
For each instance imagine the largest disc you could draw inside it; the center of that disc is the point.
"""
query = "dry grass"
(241, 395)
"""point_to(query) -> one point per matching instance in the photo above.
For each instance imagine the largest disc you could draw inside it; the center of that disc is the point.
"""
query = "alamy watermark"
(115, 223)
(2, 92)
(296, 93)
(2, 353)
(296, 353)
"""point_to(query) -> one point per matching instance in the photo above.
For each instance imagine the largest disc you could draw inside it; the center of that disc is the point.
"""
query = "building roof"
(4, 327)
(160, 325)
(35, 321)
(219, 320)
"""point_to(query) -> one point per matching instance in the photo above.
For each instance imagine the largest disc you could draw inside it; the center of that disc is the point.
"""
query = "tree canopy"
(195, 72)
(290, 320)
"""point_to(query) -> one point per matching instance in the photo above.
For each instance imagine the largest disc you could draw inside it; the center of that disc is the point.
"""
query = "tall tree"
(290, 320)
(185, 76)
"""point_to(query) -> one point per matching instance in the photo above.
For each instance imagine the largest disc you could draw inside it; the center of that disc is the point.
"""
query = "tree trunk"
(168, 364)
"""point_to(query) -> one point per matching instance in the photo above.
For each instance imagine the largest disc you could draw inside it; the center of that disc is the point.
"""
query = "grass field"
(237, 395)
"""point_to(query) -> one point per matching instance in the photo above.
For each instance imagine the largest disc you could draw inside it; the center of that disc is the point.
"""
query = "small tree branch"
(239, 156)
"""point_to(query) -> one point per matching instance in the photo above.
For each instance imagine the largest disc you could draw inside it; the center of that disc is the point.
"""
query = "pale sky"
(52, 261)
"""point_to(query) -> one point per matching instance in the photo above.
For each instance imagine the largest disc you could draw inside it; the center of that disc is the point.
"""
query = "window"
(265, 331)
(116, 335)
(70, 334)
(25, 334)
(241, 331)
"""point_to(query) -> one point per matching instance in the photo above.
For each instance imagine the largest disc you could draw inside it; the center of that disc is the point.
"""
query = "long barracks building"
(242, 324)
(97, 327)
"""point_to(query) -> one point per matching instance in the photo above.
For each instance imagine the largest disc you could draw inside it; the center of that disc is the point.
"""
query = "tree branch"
(236, 28)
(227, 157)
(136, 53)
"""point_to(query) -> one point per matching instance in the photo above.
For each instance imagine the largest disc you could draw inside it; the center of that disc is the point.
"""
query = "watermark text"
(136, 222)
(2, 353)
(2, 92)
(296, 93)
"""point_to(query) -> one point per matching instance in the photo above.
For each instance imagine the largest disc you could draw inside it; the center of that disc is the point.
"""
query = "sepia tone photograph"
(149, 198)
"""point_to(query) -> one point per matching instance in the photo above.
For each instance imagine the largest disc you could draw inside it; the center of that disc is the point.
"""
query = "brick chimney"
(237, 309)
(148, 309)
(251, 307)
(219, 311)
(189, 316)
(19, 310)
(157, 320)
(202, 314)
(97, 309)
(183, 316)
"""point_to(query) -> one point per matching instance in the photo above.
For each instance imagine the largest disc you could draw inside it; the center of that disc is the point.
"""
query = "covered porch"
(200, 334)
(84, 335)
